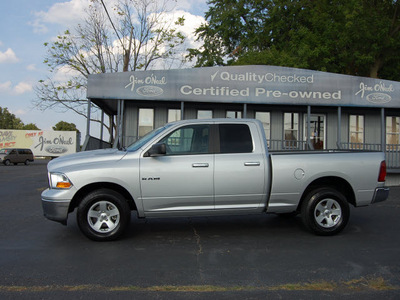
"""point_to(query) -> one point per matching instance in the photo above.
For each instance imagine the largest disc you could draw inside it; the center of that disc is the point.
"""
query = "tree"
(9, 120)
(136, 37)
(355, 37)
(65, 126)
(30, 126)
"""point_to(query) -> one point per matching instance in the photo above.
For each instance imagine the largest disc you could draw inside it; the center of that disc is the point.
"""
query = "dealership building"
(299, 109)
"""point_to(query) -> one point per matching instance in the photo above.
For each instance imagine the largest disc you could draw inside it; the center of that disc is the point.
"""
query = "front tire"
(325, 211)
(103, 215)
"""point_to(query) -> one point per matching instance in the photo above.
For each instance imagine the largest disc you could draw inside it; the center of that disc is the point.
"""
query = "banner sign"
(246, 84)
(42, 143)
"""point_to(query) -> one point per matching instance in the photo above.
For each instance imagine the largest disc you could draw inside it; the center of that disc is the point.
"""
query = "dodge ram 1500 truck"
(205, 168)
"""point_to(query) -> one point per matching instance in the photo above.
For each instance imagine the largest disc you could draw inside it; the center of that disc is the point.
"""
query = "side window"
(193, 139)
(235, 138)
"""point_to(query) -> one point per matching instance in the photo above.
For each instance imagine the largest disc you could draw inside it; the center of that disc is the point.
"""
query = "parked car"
(10, 156)
(210, 167)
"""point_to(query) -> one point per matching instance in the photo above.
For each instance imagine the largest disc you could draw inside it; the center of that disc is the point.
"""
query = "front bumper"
(381, 194)
(55, 209)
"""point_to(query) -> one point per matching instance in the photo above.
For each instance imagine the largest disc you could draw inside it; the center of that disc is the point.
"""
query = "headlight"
(59, 181)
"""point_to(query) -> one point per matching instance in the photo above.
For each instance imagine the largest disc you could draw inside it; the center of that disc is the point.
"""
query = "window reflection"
(291, 129)
(204, 114)
(146, 121)
(265, 119)
(356, 134)
(174, 115)
(392, 132)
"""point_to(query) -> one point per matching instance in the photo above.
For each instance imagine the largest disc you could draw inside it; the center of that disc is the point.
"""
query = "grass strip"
(360, 284)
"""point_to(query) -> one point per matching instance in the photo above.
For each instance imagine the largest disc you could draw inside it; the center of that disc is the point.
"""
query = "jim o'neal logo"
(149, 85)
(57, 145)
(376, 94)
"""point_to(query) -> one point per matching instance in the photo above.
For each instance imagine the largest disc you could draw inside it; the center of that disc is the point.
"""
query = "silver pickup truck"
(205, 168)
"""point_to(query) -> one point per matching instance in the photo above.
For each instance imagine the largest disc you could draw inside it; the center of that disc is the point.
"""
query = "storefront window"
(234, 114)
(317, 130)
(174, 115)
(146, 121)
(392, 132)
(265, 119)
(204, 114)
(356, 133)
(291, 129)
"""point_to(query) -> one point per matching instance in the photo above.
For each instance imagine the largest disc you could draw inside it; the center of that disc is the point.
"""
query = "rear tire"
(325, 211)
(103, 215)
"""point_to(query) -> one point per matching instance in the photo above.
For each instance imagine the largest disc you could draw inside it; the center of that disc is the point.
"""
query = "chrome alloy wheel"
(328, 213)
(103, 216)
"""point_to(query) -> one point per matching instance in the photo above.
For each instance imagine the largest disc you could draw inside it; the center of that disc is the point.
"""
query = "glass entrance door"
(317, 130)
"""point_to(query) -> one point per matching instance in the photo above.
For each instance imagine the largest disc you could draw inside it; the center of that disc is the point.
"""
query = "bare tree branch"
(141, 34)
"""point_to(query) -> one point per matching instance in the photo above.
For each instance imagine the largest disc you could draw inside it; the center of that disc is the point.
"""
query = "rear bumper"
(381, 194)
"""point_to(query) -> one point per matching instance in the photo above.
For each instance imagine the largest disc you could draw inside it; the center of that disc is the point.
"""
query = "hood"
(85, 157)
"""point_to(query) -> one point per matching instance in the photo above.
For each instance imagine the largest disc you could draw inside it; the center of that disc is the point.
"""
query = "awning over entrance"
(243, 84)
(251, 89)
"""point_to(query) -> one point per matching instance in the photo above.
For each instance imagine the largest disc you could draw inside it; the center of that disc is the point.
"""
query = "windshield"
(3, 151)
(143, 140)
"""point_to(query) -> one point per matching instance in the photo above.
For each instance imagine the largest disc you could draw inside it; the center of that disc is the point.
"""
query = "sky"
(25, 25)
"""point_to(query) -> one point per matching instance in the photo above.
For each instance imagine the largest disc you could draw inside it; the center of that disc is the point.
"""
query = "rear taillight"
(382, 172)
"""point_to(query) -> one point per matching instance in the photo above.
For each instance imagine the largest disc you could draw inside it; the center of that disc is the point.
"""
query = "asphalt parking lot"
(246, 257)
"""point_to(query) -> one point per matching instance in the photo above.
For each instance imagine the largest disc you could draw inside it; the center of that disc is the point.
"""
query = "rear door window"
(235, 138)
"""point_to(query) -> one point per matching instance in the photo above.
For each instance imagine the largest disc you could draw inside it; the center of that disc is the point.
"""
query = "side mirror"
(159, 149)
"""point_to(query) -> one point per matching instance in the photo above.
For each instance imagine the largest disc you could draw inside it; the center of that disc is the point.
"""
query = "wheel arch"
(84, 191)
(336, 183)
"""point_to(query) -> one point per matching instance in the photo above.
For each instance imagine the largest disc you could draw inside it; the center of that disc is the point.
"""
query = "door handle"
(252, 164)
(200, 165)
